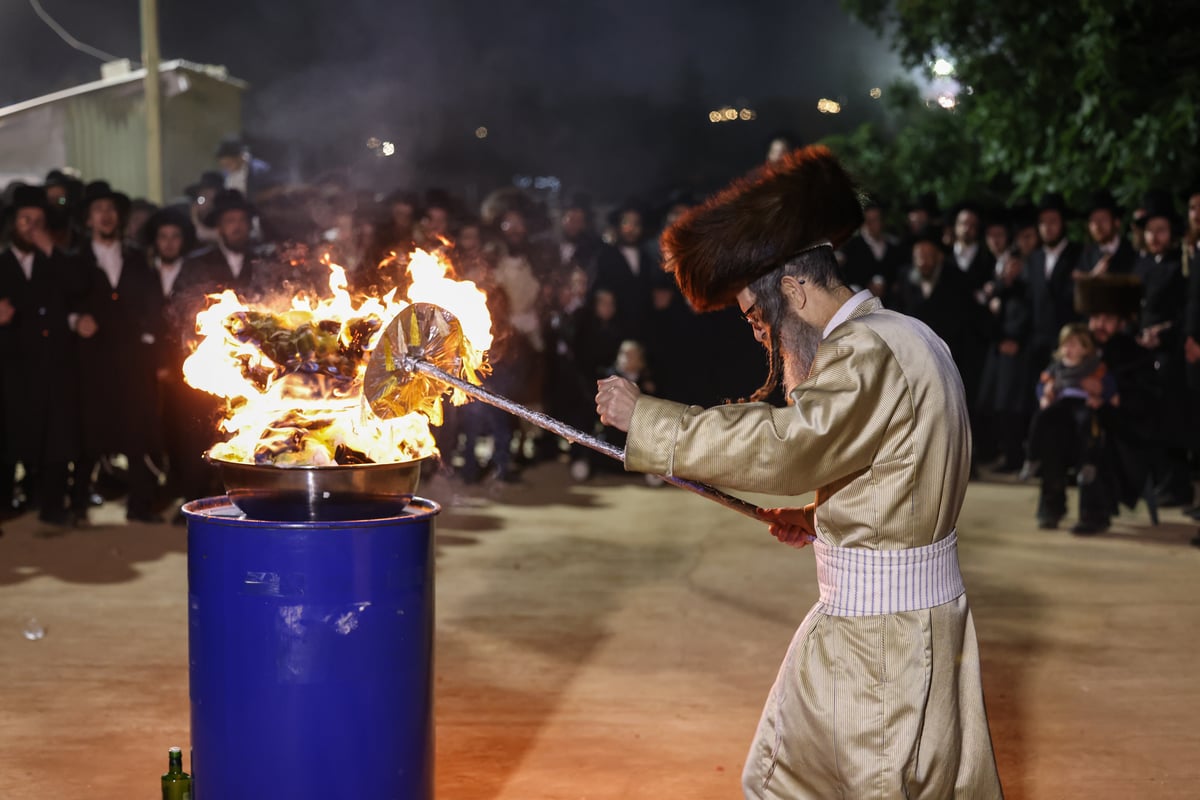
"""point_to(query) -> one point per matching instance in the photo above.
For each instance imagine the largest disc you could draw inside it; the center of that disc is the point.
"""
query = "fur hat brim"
(1120, 295)
(757, 224)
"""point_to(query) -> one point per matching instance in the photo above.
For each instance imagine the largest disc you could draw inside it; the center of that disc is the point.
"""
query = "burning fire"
(293, 378)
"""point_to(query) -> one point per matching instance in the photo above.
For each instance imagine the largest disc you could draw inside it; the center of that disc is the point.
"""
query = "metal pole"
(150, 59)
(574, 434)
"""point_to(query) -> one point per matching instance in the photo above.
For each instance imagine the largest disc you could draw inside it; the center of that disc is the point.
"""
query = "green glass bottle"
(176, 784)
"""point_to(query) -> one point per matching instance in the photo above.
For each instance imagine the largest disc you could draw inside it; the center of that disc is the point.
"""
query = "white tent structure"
(99, 128)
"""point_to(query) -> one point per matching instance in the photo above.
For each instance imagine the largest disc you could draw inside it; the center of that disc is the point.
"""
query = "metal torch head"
(422, 332)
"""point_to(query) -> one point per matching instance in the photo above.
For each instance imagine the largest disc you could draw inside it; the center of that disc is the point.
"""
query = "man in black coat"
(871, 258)
(1162, 334)
(1048, 274)
(1117, 452)
(938, 294)
(40, 289)
(580, 245)
(1108, 251)
(228, 264)
(973, 259)
(169, 235)
(628, 269)
(118, 361)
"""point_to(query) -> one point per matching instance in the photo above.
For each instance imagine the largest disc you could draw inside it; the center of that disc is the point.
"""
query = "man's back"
(913, 489)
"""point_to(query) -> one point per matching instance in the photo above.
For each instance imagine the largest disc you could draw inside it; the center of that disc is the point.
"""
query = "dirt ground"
(610, 640)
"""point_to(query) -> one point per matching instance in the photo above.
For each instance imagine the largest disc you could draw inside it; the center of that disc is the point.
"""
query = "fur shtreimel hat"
(755, 225)
(1109, 294)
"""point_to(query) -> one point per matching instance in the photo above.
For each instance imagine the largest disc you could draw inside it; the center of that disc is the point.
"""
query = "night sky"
(602, 93)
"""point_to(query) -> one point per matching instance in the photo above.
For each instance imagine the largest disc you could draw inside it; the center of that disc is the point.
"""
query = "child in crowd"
(1064, 428)
(630, 364)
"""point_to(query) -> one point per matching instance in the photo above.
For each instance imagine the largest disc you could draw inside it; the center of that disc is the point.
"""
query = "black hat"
(926, 202)
(994, 215)
(581, 201)
(1109, 294)
(1103, 200)
(171, 215)
(1023, 215)
(931, 234)
(227, 200)
(56, 177)
(1158, 203)
(208, 180)
(100, 190)
(1053, 201)
(24, 196)
(231, 147)
(405, 197)
(437, 197)
(20, 195)
(614, 216)
(873, 201)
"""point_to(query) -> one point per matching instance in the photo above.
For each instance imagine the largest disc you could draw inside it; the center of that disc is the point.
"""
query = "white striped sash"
(856, 582)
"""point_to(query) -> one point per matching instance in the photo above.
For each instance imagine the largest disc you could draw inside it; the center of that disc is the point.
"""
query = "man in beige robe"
(879, 695)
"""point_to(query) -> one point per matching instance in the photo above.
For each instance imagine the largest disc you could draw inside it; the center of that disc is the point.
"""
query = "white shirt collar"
(234, 260)
(964, 254)
(167, 273)
(108, 258)
(26, 261)
(878, 246)
(1056, 251)
(848, 307)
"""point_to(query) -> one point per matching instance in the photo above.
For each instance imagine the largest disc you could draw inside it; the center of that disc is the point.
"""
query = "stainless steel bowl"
(301, 494)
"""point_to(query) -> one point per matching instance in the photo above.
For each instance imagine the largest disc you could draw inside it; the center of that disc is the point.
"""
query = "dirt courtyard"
(610, 640)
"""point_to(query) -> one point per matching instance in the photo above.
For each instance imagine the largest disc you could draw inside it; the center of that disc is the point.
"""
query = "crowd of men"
(1003, 288)
(98, 297)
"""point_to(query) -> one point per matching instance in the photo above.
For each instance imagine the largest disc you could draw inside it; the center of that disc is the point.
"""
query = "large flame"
(292, 377)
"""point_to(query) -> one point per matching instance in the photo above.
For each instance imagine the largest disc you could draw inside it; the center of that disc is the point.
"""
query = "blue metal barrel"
(311, 655)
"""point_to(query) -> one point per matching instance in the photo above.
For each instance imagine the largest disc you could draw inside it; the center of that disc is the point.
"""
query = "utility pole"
(154, 165)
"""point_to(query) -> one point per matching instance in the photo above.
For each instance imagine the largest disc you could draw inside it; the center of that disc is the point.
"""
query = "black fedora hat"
(1103, 200)
(1054, 201)
(1158, 204)
(101, 190)
(230, 147)
(165, 217)
(21, 195)
(25, 196)
(927, 202)
(1109, 294)
(208, 180)
(225, 201)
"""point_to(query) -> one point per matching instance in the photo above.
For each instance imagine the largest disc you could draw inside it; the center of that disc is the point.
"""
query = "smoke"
(601, 95)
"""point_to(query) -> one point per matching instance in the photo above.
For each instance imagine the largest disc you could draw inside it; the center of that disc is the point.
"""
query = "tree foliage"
(1065, 96)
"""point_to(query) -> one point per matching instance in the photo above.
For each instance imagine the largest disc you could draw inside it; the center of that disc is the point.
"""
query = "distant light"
(827, 106)
(481, 132)
(388, 148)
(729, 113)
(943, 68)
(876, 93)
(947, 101)
(746, 115)
(970, 90)
(715, 116)
(373, 143)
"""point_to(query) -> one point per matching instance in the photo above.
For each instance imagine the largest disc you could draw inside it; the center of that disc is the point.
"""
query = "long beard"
(798, 343)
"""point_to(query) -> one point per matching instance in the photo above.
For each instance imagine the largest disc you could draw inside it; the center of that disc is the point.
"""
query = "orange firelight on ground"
(313, 414)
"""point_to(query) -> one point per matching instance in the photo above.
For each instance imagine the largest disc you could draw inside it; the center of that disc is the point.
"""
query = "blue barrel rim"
(220, 510)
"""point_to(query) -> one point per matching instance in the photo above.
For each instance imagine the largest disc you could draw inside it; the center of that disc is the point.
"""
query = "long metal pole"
(150, 59)
(574, 435)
